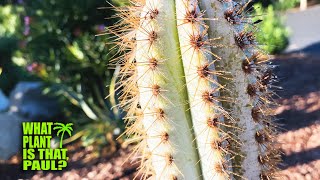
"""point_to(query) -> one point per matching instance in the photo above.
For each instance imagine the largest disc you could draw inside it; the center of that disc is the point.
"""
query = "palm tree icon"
(63, 128)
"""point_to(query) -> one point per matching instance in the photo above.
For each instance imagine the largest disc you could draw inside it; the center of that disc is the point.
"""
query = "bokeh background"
(54, 67)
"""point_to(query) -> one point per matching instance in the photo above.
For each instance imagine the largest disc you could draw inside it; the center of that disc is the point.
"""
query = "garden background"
(54, 66)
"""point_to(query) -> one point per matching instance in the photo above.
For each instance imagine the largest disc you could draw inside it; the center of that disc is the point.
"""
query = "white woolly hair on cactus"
(196, 90)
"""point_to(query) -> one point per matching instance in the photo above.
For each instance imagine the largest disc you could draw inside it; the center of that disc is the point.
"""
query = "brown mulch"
(298, 114)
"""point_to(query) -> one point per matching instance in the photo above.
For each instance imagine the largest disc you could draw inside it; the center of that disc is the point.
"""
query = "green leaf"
(75, 51)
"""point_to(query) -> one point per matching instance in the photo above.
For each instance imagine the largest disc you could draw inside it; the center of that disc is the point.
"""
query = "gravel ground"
(299, 113)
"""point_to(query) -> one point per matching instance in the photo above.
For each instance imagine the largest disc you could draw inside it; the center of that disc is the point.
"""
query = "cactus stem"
(196, 90)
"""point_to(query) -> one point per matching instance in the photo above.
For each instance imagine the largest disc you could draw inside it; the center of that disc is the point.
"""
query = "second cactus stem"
(197, 90)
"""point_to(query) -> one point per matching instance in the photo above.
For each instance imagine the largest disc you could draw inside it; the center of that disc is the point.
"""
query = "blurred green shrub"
(286, 4)
(10, 27)
(9, 19)
(272, 33)
(278, 4)
(59, 46)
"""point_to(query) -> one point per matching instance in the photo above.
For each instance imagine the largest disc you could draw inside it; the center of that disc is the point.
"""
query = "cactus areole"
(197, 90)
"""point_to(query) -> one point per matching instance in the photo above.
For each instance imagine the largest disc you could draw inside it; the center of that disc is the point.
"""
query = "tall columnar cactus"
(196, 89)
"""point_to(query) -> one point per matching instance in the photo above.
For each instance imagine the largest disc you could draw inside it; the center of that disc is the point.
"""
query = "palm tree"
(63, 128)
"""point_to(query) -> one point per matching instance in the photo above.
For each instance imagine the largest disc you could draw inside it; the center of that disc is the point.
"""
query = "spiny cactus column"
(248, 88)
(163, 95)
(196, 90)
(202, 86)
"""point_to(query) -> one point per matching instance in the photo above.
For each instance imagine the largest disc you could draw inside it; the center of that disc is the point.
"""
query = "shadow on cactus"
(197, 90)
